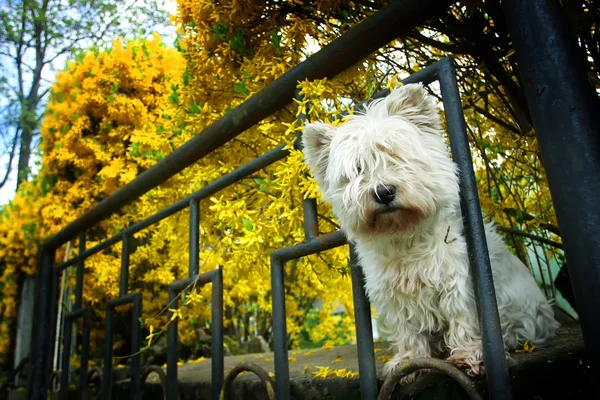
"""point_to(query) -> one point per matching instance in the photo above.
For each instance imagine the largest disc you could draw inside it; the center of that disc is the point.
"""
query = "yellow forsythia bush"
(110, 116)
(113, 114)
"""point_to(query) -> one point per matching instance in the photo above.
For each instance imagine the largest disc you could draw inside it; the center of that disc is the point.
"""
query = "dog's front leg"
(464, 341)
(408, 344)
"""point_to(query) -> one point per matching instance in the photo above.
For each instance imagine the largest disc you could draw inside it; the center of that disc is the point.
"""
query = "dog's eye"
(359, 169)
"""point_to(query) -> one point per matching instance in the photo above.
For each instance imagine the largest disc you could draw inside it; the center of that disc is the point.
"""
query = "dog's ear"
(316, 138)
(413, 103)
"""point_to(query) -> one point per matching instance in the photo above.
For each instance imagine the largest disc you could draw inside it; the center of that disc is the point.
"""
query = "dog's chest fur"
(414, 280)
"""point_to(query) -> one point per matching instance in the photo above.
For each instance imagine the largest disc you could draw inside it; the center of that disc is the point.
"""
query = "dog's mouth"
(393, 219)
(387, 210)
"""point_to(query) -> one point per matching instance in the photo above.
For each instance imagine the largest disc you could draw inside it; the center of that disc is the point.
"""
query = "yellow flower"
(176, 313)
(384, 358)
(323, 372)
(527, 348)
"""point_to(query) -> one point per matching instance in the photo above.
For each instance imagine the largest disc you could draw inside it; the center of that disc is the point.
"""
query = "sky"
(7, 192)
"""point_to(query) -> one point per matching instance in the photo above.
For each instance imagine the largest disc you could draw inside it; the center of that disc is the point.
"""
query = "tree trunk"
(24, 151)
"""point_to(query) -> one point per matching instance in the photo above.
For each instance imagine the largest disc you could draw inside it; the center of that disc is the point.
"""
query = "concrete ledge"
(558, 371)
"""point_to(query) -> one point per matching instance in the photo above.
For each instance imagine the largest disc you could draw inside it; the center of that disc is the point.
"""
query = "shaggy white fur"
(388, 174)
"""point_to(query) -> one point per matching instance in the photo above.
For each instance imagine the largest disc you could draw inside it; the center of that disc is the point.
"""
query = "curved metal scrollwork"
(161, 376)
(55, 381)
(94, 375)
(258, 371)
(444, 367)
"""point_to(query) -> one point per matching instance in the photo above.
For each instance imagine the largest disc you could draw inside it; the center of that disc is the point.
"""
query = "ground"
(558, 371)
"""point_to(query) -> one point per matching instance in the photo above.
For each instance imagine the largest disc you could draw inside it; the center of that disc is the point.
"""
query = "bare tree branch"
(530, 236)
(10, 159)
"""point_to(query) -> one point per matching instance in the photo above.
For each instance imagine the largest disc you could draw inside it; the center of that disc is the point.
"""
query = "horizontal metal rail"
(442, 70)
(231, 178)
(426, 76)
(489, 320)
(382, 27)
(392, 21)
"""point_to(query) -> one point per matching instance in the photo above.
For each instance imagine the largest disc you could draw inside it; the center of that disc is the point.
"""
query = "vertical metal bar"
(218, 362)
(66, 359)
(483, 283)
(311, 223)
(136, 337)
(85, 351)
(40, 348)
(172, 347)
(282, 373)
(364, 331)
(66, 353)
(52, 321)
(309, 206)
(124, 281)
(80, 269)
(194, 238)
(566, 115)
(107, 378)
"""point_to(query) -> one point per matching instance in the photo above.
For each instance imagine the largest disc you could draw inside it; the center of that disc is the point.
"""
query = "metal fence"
(390, 22)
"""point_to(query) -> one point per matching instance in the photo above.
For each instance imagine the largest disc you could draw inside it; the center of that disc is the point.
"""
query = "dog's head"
(387, 169)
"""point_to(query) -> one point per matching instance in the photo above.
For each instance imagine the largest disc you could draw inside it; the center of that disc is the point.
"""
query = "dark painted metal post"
(309, 206)
(40, 350)
(124, 281)
(84, 314)
(52, 321)
(194, 238)
(136, 338)
(479, 259)
(66, 359)
(80, 270)
(566, 116)
(218, 362)
(172, 392)
(108, 343)
(364, 331)
(85, 354)
(280, 341)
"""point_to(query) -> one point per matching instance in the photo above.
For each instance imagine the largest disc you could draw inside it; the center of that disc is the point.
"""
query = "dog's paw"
(471, 361)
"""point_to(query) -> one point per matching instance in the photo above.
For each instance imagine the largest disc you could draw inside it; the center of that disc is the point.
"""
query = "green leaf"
(240, 88)
(276, 41)
(220, 31)
(135, 149)
(248, 224)
(194, 109)
(238, 43)
(186, 77)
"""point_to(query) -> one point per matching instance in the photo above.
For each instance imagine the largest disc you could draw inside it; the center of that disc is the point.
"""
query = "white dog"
(394, 188)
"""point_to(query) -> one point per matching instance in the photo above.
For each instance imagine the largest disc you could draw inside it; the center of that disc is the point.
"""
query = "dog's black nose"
(384, 194)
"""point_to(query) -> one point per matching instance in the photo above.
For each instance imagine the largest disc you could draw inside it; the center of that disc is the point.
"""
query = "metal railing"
(390, 22)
